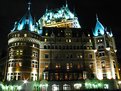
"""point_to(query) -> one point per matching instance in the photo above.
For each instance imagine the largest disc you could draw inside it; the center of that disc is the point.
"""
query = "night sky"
(109, 13)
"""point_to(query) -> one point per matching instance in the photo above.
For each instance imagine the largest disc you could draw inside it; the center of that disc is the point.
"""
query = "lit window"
(46, 34)
(80, 56)
(17, 43)
(91, 65)
(66, 40)
(66, 76)
(45, 76)
(103, 64)
(55, 87)
(67, 66)
(20, 64)
(57, 66)
(88, 35)
(69, 40)
(71, 65)
(21, 50)
(46, 66)
(25, 35)
(33, 45)
(35, 54)
(78, 66)
(45, 40)
(56, 76)
(66, 87)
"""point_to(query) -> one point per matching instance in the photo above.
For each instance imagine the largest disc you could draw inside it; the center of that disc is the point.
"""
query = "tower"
(107, 66)
(23, 49)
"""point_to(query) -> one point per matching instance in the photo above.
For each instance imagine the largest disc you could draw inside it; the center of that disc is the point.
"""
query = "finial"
(29, 3)
(74, 11)
(46, 8)
(66, 3)
(96, 17)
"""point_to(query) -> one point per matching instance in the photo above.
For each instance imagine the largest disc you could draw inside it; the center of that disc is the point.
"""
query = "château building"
(56, 49)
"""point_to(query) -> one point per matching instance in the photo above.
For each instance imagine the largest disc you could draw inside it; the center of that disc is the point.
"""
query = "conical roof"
(26, 23)
(99, 28)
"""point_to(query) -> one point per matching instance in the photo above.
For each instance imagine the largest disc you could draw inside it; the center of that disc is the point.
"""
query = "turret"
(23, 50)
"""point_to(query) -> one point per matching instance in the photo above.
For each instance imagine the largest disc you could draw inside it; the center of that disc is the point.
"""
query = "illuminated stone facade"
(23, 60)
(56, 48)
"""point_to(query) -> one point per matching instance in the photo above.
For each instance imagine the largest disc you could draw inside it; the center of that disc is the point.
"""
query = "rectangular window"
(91, 65)
(45, 40)
(101, 54)
(69, 40)
(103, 64)
(104, 76)
(67, 66)
(25, 35)
(66, 40)
(46, 56)
(45, 47)
(90, 55)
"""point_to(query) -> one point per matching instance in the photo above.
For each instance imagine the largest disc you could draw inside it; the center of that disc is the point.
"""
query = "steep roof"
(26, 23)
(57, 14)
(99, 28)
(62, 14)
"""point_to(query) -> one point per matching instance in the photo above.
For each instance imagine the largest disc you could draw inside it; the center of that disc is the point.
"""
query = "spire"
(66, 3)
(110, 33)
(96, 17)
(26, 22)
(29, 5)
(46, 8)
(99, 28)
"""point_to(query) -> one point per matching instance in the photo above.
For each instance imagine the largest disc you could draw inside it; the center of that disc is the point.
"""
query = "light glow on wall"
(77, 85)
(10, 70)
(55, 87)
(99, 75)
(109, 75)
(108, 49)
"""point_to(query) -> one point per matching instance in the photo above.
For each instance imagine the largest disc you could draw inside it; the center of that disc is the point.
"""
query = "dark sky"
(109, 13)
